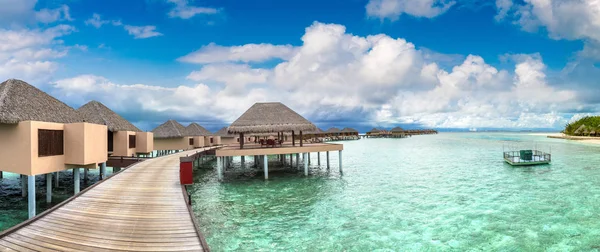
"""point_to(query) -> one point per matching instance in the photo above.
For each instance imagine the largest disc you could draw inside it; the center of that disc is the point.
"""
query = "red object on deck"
(186, 176)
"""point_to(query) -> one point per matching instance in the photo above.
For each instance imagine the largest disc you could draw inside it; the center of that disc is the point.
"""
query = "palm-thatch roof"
(169, 129)
(270, 117)
(20, 101)
(314, 132)
(397, 130)
(195, 129)
(223, 133)
(580, 130)
(349, 130)
(374, 130)
(96, 112)
(333, 130)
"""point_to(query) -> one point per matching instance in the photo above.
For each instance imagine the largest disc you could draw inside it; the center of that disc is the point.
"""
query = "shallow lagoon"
(443, 192)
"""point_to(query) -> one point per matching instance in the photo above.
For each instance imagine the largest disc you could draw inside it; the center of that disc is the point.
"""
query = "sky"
(444, 64)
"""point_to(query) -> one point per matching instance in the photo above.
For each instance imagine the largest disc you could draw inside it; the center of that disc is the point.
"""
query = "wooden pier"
(141, 208)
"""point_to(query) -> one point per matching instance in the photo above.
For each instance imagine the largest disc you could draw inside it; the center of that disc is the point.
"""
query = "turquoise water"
(446, 192)
(13, 207)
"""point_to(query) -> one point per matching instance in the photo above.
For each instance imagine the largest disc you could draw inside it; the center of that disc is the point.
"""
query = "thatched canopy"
(96, 112)
(397, 130)
(374, 130)
(223, 133)
(349, 130)
(333, 130)
(270, 117)
(318, 131)
(580, 130)
(195, 129)
(169, 129)
(20, 101)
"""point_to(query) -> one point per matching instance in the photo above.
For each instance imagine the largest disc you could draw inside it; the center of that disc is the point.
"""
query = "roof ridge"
(99, 111)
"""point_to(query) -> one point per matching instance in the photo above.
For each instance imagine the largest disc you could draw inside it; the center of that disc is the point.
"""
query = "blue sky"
(431, 63)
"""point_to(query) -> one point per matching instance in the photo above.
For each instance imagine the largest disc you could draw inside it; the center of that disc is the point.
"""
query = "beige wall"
(198, 141)
(216, 140)
(229, 140)
(121, 143)
(181, 143)
(144, 142)
(84, 146)
(207, 141)
(85, 143)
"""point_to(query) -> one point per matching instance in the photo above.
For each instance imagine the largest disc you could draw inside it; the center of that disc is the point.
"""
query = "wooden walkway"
(142, 208)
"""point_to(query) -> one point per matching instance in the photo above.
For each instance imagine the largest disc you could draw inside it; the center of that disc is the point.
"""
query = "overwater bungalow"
(272, 118)
(350, 134)
(198, 135)
(316, 136)
(374, 133)
(332, 134)
(227, 138)
(398, 132)
(171, 136)
(123, 138)
(42, 135)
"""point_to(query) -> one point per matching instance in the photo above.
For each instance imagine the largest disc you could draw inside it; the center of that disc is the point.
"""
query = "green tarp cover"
(526, 154)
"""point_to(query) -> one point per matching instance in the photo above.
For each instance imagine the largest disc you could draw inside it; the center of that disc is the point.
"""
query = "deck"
(251, 149)
(142, 208)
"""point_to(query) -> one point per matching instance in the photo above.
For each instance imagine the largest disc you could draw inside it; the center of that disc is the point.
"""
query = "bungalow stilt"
(103, 170)
(340, 156)
(49, 188)
(266, 166)
(327, 160)
(220, 168)
(31, 195)
(23, 186)
(319, 158)
(305, 164)
(56, 179)
(75, 180)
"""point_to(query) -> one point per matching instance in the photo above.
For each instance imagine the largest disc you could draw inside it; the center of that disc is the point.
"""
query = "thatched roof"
(350, 130)
(374, 130)
(314, 132)
(195, 129)
(397, 130)
(270, 117)
(169, 129)
(20, 101)
(580, 130)
(96, 112)
(333, 130)
(223, 133)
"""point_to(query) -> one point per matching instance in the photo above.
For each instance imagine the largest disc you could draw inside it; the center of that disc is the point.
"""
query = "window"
(50, 143)
(191, 141)
(211, 140)
(131, 141)
(238, 140)
(110, 140)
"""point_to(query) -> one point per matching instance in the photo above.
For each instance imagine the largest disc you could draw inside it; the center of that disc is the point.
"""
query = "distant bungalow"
(374, 133)
(124, 139)
(227, 138)
(199, 136)
(42, 135)
(172, 136)
(397, 132)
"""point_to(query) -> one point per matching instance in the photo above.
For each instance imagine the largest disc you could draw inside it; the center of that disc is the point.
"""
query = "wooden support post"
(23, 186)
(309, 158)
(266, 166)
(75, 180)
(340, 156)
(241, 140)
(327, 160)
(305, 164)
(243, 161)
(298, 161)
(56, 179)
(103, 170)
(301, 138)
(319, 158)
(291, 160)
(85, 175)
(293, 138)
(220, 168)
(49, 188)
(31, 196)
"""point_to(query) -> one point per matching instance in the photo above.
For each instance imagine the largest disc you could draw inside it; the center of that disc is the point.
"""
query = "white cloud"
(503, 7)
(183, 10)
(52, 15)
(337, 75)
(213, 53)
(142, 32)
(16, 10)
(392, 9)
(96, 21)
(28, 54)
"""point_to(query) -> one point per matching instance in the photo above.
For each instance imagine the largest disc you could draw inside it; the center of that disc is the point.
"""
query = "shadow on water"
(13, 207)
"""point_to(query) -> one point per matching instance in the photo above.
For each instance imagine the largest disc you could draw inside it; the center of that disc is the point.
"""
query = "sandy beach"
(580, 139)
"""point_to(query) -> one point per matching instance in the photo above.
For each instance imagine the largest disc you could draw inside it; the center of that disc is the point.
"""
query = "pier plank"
(142, 208)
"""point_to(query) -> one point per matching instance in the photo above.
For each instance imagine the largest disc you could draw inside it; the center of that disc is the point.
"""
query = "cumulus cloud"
(142, 32)
(183, 10)
(392, 9)
(338, 76)
(213, 53)
(29, 53)
(96, 21)
(53, 15)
